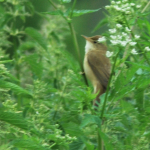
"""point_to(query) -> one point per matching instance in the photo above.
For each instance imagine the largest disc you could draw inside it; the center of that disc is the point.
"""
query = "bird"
(97, 66)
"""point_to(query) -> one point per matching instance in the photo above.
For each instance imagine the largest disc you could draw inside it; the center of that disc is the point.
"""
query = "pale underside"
(96, 67)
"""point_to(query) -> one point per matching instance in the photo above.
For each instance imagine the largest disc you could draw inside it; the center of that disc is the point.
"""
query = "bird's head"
(93, 44)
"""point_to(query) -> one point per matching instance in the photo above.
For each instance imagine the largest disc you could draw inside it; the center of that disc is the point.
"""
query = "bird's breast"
(88, 71)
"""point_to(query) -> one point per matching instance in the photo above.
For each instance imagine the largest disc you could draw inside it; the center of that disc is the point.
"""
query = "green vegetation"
(45, 103)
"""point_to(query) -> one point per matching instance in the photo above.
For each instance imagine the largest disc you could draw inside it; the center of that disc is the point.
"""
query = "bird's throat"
(89, 46)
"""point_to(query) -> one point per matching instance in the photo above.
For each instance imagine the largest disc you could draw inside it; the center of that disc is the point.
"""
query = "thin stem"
(74, 3)
(145, 7)
(73, 36)
(77, 49)
(108, 86)
(53, 4)
(100, 141)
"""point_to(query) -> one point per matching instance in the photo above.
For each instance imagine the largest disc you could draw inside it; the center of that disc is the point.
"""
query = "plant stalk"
(108, 86)
(73, 36)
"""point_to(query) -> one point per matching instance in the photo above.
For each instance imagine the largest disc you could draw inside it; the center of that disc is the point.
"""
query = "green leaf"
(77, 145)
(35, 64)
(139, 96)
(90, 119)
(15, 88)
(5, 61)
(26, 46)
(28, 144)
(77, 13)
(126, 106)
(14, 119)
(100, 24)
(56, 12)
(143, 81)
(139, 65)
(72, 129)
(107, 144)
(37, 37)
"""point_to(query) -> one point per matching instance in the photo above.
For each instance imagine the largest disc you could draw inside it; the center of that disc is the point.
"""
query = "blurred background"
(83, 25)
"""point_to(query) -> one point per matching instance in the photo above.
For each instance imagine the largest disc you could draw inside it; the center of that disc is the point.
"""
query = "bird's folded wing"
(100, 66)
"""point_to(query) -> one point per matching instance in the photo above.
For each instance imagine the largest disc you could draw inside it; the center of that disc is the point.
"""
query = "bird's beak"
(87, 38)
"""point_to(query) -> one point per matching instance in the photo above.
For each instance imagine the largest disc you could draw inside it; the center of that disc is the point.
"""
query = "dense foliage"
(44, 100)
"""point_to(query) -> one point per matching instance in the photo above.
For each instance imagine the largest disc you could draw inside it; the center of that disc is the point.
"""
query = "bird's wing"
(100, 66)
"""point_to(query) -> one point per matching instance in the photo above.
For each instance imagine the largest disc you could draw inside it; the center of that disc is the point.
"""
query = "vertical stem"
(74, 3)
(73, 36)
(77, 49)
(108, 86)
(100, 142)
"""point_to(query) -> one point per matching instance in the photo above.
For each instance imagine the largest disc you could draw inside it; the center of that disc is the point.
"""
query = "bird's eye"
(95, 41)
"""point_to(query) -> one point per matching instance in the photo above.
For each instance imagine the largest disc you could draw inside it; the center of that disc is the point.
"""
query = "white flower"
(124, 1)
(123, 10)
(128, 40)
(102, 39)
(134, 52)
(117, 8)
(114, 42)
(107, 7)
(112, 2)
(118, 25)
(118, 2)
(132, 43)
(109, 54)
(119, 37)
(127, 12)
(127, 29)
(147, 49)
(112, 30)
(128, 8)
(124, 34)
(132, 4)
(137, 36)
(125, 5)
(113, 36)
(138, 6)
(123, 43)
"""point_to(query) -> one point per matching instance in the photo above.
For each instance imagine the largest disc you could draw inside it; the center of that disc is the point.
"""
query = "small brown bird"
(96, 65)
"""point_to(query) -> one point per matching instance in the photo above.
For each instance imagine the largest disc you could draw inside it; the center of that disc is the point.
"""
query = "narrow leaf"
(35, 65)
(28, 144)
(14, 119)
(77, 13)
(26, 46)
(37, 37)
(100, 24)
(139, 65)
(57, 12)
(5, 61)
(89, 119)
(15, 88)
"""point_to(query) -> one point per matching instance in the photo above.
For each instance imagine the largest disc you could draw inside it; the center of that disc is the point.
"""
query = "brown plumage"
(96, 65)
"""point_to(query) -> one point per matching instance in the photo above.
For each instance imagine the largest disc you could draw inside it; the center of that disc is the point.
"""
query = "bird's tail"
(97, 100)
